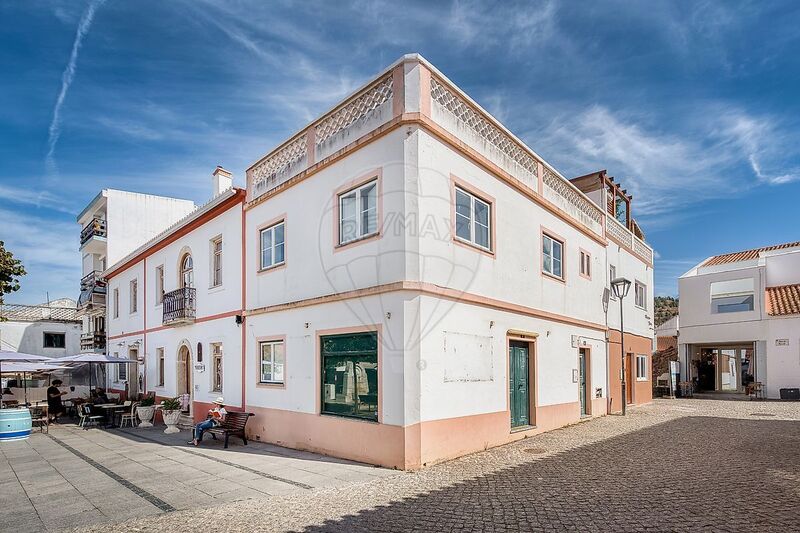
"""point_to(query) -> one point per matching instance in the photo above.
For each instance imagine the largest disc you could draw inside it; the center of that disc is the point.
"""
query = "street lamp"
(620, 287)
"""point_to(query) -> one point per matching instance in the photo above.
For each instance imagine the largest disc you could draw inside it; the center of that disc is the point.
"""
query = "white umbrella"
(19, 357)
(91, 357)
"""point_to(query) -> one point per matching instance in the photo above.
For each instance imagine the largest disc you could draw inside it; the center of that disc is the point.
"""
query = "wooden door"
(519, 386)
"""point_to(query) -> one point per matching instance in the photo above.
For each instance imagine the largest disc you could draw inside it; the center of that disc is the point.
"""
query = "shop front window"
(350, 375)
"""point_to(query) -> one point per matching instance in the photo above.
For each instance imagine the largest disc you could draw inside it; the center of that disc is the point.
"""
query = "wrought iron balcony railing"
(93, 290)
(95, 228)
(179, 306)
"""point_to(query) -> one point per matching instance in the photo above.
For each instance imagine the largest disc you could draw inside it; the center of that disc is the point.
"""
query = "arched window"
(187, 271)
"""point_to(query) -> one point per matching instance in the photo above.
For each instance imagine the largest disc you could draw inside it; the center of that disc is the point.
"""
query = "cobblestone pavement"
(679, 465)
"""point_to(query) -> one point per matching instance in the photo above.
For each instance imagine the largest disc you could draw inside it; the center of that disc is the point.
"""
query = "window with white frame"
(116, 303)
(641, 367)
(473, 219)
(586, 264)
(732, 296)
(216, 261)
(358, 212)
(134, 296)
(160, 357)
(552, 256)
(159, 284)
(272, 245)
(641, 295)
(272, 362)
(216, 366)
(612, 275)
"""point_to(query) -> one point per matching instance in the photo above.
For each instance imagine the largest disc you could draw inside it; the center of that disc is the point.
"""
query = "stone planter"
(145, 414)
(171, 420)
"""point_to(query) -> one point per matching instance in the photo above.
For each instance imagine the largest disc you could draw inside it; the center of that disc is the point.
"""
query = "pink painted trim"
(311, 145)
(424, 90)
(161, 328)
(553, 235)
(376, 174)
(455, 181)
(398, 90)
(318, 363)
(243, 325)
(266, 225)
(580, 266)
(272, 338)
(540, 178)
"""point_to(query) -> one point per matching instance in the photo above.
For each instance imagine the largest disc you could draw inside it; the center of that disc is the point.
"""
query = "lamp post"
(620, 287)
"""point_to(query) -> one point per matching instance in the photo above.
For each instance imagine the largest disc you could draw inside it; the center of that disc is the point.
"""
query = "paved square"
(681, 465)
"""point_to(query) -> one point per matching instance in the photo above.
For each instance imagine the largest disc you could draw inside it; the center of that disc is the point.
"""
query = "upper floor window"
(272, 245)
(216, 262)
(134, 295)
(473, 217)
(732, 296)
(187, 271)
(552, 256)
(159, 284)
(116, 303)
(54, 340)
(586, 264)
(358, 212)
(641, 295)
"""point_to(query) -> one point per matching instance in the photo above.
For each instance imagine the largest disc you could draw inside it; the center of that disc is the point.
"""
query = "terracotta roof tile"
(783, 300)
(747, 254)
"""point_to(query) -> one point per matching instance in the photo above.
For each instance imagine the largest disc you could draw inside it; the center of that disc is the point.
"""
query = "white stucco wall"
(28, 337)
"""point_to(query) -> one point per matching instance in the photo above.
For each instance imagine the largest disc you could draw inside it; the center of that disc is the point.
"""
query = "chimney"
(222, 179)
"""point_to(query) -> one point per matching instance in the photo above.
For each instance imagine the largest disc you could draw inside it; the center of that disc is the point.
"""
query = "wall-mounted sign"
(200, 367)
(574, 375)
(781, 342)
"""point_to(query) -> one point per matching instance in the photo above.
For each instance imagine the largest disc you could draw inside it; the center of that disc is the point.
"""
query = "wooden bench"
(233, 426)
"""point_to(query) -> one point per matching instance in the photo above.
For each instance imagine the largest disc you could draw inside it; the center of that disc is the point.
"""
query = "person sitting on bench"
(216, 417)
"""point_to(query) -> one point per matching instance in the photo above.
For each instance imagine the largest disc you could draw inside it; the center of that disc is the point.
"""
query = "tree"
(11, 270)
(666, 308)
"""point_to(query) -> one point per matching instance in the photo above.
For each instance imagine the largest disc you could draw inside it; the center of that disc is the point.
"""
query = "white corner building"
(740, 322)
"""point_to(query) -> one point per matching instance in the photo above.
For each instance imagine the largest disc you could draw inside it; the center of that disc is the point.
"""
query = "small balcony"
(93, 236)
(93, 292)
(91, 342)
(179, 307)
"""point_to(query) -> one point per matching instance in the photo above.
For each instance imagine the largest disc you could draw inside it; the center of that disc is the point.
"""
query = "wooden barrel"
(15, 424)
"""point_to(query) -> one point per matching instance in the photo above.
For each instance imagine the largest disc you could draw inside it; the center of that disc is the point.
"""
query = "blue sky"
(692, 105)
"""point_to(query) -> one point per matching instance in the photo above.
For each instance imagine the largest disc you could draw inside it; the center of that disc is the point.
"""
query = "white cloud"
(30, 196)
(54, 132)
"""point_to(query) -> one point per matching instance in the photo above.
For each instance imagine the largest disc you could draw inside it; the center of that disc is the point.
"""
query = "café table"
(111, 410)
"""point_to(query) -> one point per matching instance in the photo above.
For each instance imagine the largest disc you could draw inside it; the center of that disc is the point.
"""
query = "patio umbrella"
(19, 357)
(94, 358)
(25, 368)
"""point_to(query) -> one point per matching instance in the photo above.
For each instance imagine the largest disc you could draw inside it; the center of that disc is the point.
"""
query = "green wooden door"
(519, 389)
(582, 379)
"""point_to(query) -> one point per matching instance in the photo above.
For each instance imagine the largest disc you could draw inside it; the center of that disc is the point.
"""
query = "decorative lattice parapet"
(641, 249)
(473, 125)
(622, 235)
(357, 109)
(618, 231)
(282, 164)
(570, 200)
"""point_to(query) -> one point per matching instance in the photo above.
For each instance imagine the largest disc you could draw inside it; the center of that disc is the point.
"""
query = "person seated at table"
(216, 417)
(100, 396)
(55, 407)
(8, 395)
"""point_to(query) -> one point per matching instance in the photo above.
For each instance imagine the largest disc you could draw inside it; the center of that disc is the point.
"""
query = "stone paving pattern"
(675, 465)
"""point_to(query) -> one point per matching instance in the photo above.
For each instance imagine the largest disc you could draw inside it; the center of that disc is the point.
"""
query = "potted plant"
(145, 411)
(171, 411)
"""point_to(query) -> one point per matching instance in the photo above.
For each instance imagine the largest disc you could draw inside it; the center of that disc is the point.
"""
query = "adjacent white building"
(112, 225)
(740, 321)
(52, 329)
(403, 281)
